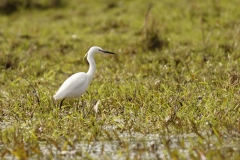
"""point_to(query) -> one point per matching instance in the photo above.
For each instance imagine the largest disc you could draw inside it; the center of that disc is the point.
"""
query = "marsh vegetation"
(171, 91)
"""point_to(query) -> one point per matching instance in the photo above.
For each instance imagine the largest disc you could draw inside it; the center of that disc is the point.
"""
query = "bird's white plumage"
(78, 83)
(74, 86)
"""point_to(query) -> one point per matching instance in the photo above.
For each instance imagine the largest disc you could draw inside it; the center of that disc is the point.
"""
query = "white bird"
(78, 83)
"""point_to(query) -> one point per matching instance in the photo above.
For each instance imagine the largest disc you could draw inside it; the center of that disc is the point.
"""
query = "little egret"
(78, 83)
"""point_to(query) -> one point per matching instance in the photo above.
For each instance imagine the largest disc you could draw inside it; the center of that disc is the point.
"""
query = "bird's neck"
(92, 68)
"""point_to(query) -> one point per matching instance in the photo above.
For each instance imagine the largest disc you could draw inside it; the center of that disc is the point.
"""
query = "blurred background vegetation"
(11, 6)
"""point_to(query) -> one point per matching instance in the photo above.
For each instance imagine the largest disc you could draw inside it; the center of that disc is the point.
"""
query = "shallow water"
(140, 146)
(152, 146)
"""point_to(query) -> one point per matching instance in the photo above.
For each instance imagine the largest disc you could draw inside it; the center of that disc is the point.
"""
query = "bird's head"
(95, 49)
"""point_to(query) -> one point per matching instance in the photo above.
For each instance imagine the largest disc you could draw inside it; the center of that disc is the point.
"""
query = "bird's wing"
(73, 82)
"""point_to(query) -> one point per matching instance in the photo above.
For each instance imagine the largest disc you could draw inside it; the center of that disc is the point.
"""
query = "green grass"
(171, 91)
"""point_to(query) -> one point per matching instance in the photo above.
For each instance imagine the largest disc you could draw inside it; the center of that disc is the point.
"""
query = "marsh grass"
(171, 91)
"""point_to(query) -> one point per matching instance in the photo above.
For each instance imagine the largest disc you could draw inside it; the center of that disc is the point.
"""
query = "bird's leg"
(60, 105)
(78, 101)
(83, 106)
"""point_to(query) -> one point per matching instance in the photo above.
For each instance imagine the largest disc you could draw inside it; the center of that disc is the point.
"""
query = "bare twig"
(34, 89)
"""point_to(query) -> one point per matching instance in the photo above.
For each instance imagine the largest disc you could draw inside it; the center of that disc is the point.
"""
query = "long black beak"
(106, 51)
